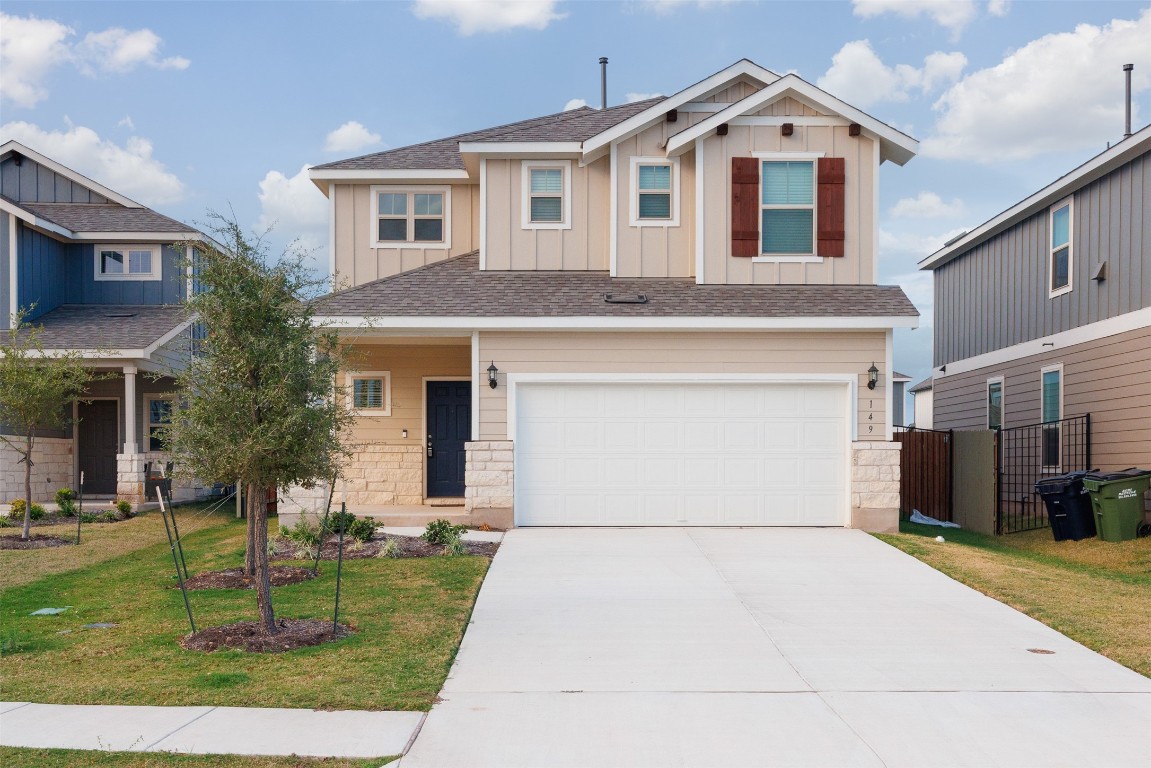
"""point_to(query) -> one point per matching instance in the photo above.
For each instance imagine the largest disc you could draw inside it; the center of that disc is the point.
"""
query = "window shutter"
(744, 206)
(830, 228)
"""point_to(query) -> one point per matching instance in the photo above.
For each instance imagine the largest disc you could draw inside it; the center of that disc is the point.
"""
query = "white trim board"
(476, 385)
(685, 323)
(1131, 321)
(13, 275)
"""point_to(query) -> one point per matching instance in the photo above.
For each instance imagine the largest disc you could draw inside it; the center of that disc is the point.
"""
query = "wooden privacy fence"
(925, 471)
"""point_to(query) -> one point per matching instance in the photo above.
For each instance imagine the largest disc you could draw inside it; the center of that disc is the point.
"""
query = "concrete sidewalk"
(208, 730)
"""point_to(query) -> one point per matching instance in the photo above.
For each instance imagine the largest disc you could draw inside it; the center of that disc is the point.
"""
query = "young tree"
(36, 391)
(258, 403)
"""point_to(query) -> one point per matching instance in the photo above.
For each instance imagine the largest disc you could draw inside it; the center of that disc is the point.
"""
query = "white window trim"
(987, 401)
(349, 381)
(1069, 202)
(633, 192)
(798, 258)
(526, 167)
(148, 423)
(157, 264)
(374, 233)
(1058, 466)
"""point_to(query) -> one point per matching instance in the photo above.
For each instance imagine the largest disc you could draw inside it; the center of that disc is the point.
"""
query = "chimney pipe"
(603, 83)
(1127, 124)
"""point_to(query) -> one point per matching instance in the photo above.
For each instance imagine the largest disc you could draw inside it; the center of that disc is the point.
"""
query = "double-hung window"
(654, 192)
(995, 403)
(1061, 255)
(159, 417)
(1051, 404)
(370, 392)
(417, 216)
(787, 208)
(127, 262)
(546, 194)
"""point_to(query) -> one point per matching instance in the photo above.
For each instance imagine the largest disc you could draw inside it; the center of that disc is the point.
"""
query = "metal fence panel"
(1027, 454)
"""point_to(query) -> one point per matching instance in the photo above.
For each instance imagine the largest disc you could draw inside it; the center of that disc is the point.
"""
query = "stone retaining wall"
(875, 486)
(52, 468)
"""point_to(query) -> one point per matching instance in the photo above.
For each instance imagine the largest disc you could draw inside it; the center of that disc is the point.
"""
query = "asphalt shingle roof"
(457, 288)
(107, 326)
(105, 217)
(574, 125)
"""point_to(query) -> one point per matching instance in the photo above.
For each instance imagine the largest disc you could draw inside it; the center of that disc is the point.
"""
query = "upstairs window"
(788, 208)
(127, 262)
(1061, 247)
(654, 192)
(546, 194)
(417, 216)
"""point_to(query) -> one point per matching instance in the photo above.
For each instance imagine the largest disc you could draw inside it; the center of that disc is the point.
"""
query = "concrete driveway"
(764, 647)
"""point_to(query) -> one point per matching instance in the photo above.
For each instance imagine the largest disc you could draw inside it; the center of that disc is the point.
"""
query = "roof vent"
(120, 314)
(955, 239)
(631, 298)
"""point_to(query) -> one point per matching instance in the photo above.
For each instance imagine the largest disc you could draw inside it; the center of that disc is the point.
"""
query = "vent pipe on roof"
(1127, 124)
(603, 83)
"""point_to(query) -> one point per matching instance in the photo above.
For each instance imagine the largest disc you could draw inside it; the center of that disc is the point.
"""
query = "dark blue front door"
(449, 427)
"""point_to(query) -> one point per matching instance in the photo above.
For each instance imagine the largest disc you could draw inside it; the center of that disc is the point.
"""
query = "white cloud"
(126, 122)
(120, 50)
(1062, 92)
(667, 6)
(998, 7)
(919, 287)
(472, 16)
(953, 15)
(30, 48)
(860, 77)
(350, 137)
(631, 97)
(295, 209)
(574, 104)
(130, 169)
(927, 205)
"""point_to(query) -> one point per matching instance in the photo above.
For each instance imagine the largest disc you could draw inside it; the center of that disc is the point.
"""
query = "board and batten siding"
(997, 294)
(30, 182)
(357, 262)
(696, 353)
(1109, 378)
(857, 266)
(582, 246)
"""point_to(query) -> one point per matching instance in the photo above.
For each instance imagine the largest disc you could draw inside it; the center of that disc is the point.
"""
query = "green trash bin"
(1117, 501)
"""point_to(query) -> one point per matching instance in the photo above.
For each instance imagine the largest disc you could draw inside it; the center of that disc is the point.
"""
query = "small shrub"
(110, 516)
(124, 508)
(5, 522)
(305, 533)
(362, 529)
(64, 495)
(389, 549)
(455, 547)
(37, 512)
(337, 519)
(87, 517)
(441, 532)
(356, 545)
(17, 509)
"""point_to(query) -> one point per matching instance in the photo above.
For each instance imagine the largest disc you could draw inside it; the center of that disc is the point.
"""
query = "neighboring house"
(898, 397)
(922, 405)
(1044, 312)
(104, 276)
(660, 313)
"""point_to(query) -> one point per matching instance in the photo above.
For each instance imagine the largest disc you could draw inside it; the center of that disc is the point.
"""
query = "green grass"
(17, 757)
(1095, 592)
(409, 616)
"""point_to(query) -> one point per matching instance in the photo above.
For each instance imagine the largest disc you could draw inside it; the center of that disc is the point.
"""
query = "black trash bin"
(1068, 506)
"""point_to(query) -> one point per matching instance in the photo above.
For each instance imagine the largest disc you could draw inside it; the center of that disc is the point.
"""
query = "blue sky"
(191, 106)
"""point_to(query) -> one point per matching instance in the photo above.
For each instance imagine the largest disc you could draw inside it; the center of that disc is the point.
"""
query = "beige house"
(661, 313)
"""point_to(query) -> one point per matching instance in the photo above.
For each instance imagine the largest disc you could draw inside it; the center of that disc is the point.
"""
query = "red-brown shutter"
(744, 206)
(830, 206)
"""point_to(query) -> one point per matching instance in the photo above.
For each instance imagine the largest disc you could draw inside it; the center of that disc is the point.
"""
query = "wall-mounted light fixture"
(872, 376)
(405, 432)
(492, 371)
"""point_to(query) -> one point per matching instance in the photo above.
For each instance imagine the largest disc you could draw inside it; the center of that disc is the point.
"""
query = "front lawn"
(16, 757)
(409, 616)
(1095, 592)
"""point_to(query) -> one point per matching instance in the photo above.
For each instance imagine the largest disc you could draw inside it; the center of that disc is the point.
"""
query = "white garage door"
(648, 454)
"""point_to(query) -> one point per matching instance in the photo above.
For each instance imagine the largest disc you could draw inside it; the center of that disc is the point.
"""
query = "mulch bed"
(249, 636)
(234, 578)
(54, 518)
(407, 546)
(34, 541)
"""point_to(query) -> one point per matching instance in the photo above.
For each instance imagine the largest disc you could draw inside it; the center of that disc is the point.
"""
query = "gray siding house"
(103, 276)
(1044, 312)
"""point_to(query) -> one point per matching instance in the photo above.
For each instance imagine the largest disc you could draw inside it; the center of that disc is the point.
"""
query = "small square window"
(545, 194)
(370, 392)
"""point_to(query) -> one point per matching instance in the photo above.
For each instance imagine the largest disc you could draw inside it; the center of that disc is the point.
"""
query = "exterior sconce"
(872, 376)
(492, 371)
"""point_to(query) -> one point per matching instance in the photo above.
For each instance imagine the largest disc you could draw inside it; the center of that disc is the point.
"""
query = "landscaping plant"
(442, 532)
(124, 508)
(65, 502)
(19, 511)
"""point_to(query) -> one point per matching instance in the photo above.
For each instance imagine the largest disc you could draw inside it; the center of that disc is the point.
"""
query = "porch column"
(130, 446)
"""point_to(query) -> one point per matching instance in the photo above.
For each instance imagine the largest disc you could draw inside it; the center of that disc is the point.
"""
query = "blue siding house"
(103, 276)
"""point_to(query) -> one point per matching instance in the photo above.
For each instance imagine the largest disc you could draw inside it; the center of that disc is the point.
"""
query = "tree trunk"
(258, 514)
(27, 488)
(250, 513)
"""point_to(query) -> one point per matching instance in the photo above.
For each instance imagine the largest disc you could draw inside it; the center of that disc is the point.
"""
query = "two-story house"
(1043, 313)
(104, 277)
(660, 313)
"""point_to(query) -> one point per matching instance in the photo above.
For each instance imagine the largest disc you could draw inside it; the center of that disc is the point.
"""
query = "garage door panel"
(681, 454)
